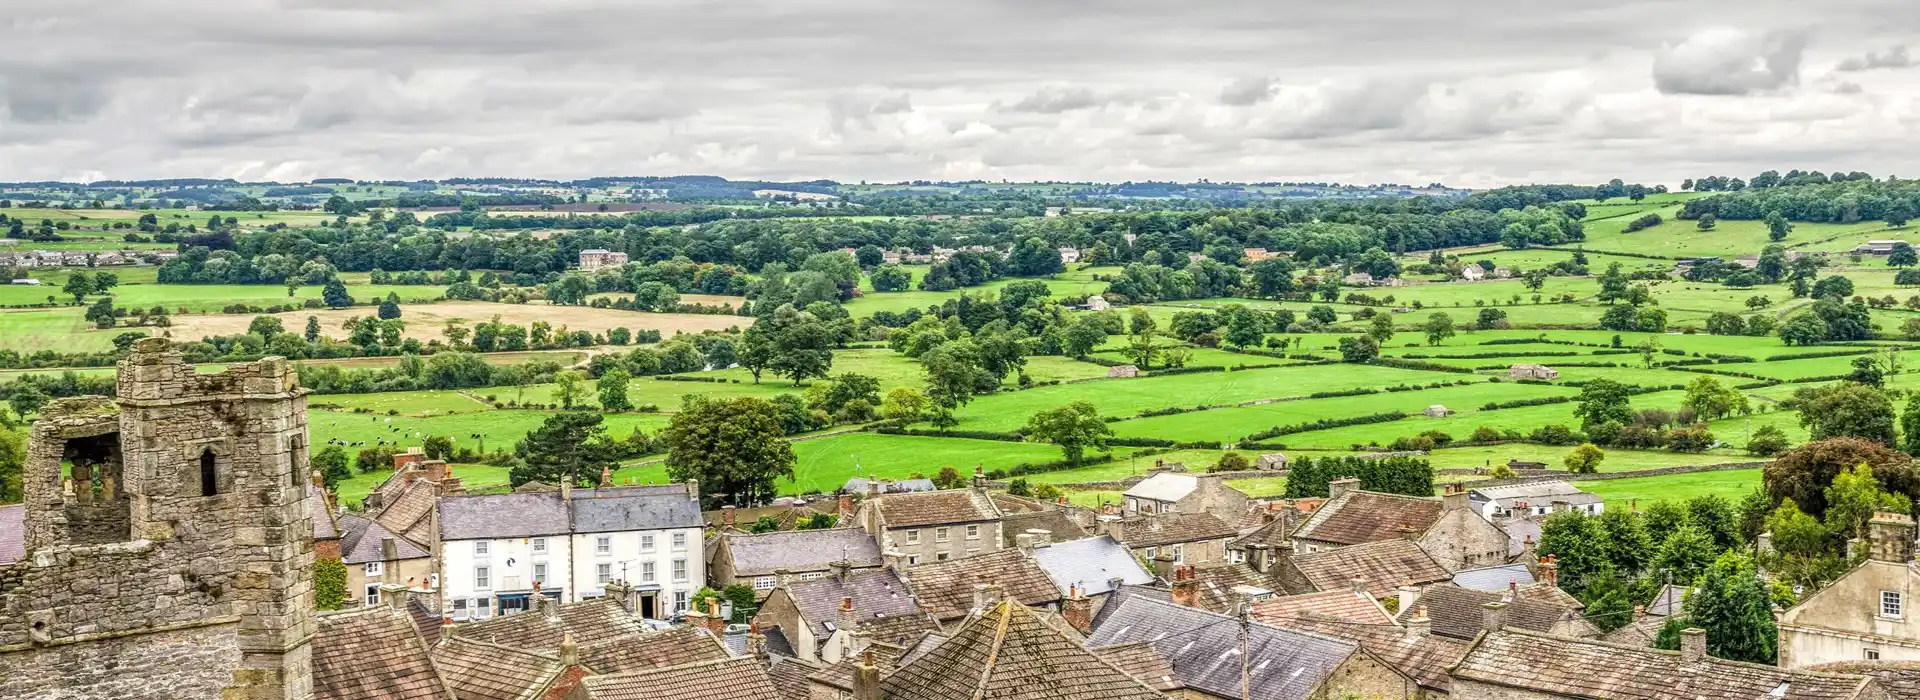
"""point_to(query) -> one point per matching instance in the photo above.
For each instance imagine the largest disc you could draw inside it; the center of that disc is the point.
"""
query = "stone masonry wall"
(186, 664)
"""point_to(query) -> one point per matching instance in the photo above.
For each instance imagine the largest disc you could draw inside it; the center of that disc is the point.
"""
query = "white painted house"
(498, 551)
(1537, 498)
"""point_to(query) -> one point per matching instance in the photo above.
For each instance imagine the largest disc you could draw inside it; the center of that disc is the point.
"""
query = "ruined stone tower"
(169, 545)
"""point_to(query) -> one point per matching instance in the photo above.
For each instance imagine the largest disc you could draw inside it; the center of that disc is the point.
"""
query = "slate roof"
(360, 541)
(1519, 530)
(1457, 612)
(1535, 493)
(1343, 605)
(1671, 600)
(500, 516)
(886, 658)
(13, 533)
(1144, 662)
(613, 513)
(1384, 566)
(875, 593)
(1581, 668)
(858, 485)
(1203, 647)
(945, 588)
(789, 676)
(801, 550)
(1008, 653)
(730, 679)
(1059, 525)
(591, 622)
(1423, 657)
(1359, 517)
(1090, 563)
(1165, 486)
(1901, 679)
(935, 508)
(777, 642)
(673, 647)
(1493, 578)
(324, 527)
(1174, 528)
(373, 653)
(482, 671)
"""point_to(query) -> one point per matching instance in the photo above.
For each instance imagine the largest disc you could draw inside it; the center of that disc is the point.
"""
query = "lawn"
(213, 297)
(1731, 484)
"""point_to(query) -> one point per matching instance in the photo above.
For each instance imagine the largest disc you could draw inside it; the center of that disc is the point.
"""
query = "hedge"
(1324, 424)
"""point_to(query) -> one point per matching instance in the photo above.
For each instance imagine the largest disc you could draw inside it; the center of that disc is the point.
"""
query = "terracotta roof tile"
(731, 679)
(945, 589)
(591, 622)
(1383, 566)
(1342, 605)
(1457, 612)
(1364, 516)
(1010, 654)
(1173, 528)
(1582, 668)
(373, 653)
(935, 508)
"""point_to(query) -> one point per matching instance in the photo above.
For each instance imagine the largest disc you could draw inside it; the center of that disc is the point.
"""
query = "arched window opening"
(209, 476)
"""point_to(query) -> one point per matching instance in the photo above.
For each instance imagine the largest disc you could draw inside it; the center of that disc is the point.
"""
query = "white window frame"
(765, 583)
(813, 575)
(603, 573)
(1870, 654)
(913, 559)
(1239, 556)
(539, 545)
(940, 534)
(973, 532)
(647, 571)
(372, 595)
(913, 537)
(482, 548)
(603, 545)
(646, 543)
(1892, 604)
(679, 601)
(680, 569)
(540, 573)
(679, 541)
(1179, 554)
(482, 578)
(373, 568)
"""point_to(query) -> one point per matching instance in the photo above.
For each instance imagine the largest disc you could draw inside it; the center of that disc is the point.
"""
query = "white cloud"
(1892, 57)
(1728, 61)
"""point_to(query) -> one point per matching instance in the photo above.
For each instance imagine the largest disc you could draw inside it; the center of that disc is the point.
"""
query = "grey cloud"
(1248, 91)
(1729, 62)
(1054, 100)
(893, 105)
(1892, 57)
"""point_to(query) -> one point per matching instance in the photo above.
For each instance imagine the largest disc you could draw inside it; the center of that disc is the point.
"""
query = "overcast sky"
(1472, 93)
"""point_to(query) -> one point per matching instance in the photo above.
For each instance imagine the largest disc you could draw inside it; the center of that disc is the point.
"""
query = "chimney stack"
(1077, 610)
(728, 517)
(1041, 538)
(569, 650)
(1024, 541)
(389, 550)
(783, 578)
(566, 488)
(396, 596)
(1419, 625)
(842, 570)
(985, 597)
(846, 509)
(621, 592)
(844, 617)
(1550, 570)
(756, 642)
(1186, 587)
(1493, 616)
(1693, 644)
(1454, 498)
(873, 486)
(716, 623)
(693, 490)
(1890, 536)
(1408, 594)
(1340, 487)
(1359, 585)
(866, 678)
(1112, 526)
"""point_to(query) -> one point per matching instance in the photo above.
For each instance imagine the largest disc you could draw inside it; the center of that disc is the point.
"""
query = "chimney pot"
(1359, 584)
(1493, 616)
(1025, 542)
(1693, 644)
(569, 650)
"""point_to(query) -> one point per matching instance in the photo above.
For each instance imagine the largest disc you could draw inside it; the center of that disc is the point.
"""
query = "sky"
(1471, 93)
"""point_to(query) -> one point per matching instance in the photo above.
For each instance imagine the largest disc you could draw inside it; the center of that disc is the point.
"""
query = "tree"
(1613, 285)
(656, 296)
(1835, 287)
(1585, 459)
(1711, 401)
(1847, 410)
(13, 462)
(1033, 257)
(891, 278)
(329, 583)
(1706, 222)
(1074, 427)
(568, 446)
(734, 447)
(1855, 496)
(78, 286)
(1082, 335)
(904, 405)
(1649, 349)
(1381, 329)
(567, 387)
(1579, 548)
(1899, 213)
(331, 462)
(389, 307)
(1439, 327)
(1804, 328)
(26, 398)
(1777, 227)
(1629, 547)
(1143, 349)
(313, 329)
(1683, 555)
(1603, 401)
(1620, 318)
(437, 447)
(334, 294)
(266, 326)
(1733, 606)
(1902, 255)
(1867, 371)
(1804, 473)
(1767, 441)
(1245, 327)
(100, 314)
(612, 387)
(948, 478)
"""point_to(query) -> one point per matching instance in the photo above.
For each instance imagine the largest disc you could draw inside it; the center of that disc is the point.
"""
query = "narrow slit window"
(209, 475)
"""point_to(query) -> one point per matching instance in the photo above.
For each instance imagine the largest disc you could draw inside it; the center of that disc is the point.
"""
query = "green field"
(1730, 484)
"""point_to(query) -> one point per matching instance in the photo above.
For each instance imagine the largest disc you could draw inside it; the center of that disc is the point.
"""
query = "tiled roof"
(1010, 504)
(323, 521)
(502, 516)
(591, 622)
(1364, 516)
(731, 679)
(801, 550)
(1275, 534)
(680, 645)
(373, 653)
(1383, 566)
(1423, 657)
(482, 671)
(875, 593)
(945, 589)
(1343, 605)
(1493, 578)
(1058, 524)
(777, 642)
(1901, 679)
(407, 513)
(1144, 662)
(789, 676)
(13, 533)
(1457, 612)
(1215, 584)
(899, 629)
(1671, 600)
(1174, 528)
(1519, 531)
(1165, 486)
(1203, 647)
(611, 512)
(1010, 654)
(426, 621)
(1581, 668)
(360, 541)
(1090, 563)
(886, 658)
(935, 508)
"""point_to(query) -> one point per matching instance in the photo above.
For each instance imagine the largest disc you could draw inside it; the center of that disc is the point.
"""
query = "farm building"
(1503, 272)
(595, 258)
(1517, 464)
(1358, 279)
(1123, 372)
(1438, 411)
(1877, 247)
(1473, 273)
(1525, 371)
(1098, 303)
(1256, 254)
(27, 282)
(1538, 498)
(1271, 461)
(1069, 256)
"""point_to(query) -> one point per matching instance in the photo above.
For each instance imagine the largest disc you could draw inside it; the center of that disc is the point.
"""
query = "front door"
(649, 607)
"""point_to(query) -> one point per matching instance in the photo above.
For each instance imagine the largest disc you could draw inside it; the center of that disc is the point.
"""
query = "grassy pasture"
(1731, 484)
(428, 321)
(500, 428)
(1231, 424)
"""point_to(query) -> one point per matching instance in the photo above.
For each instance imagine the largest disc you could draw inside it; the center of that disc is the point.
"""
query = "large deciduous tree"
(1074, 427)
(734, 447)
(1803, 474)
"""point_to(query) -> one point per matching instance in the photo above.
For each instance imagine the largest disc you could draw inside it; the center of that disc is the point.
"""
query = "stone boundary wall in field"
(1602, 476)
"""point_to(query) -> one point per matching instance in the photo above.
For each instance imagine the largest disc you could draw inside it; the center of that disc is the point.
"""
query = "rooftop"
(1089, 564)
(1581, 668)
(801, 550)
(1204, 648)
(935, 508)
(591, 622)
(876, 593)
(1382, 566)
(742, 678)
(1457, 612)
(1493, 578)
(373, 653)
(1341, 605)
(945, 589)
(360, 540)
(506, 515)
(1359, 517)
(1174, 528)
(673, 647)
(1164, 486)
(1009, 653)
(482, 671)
